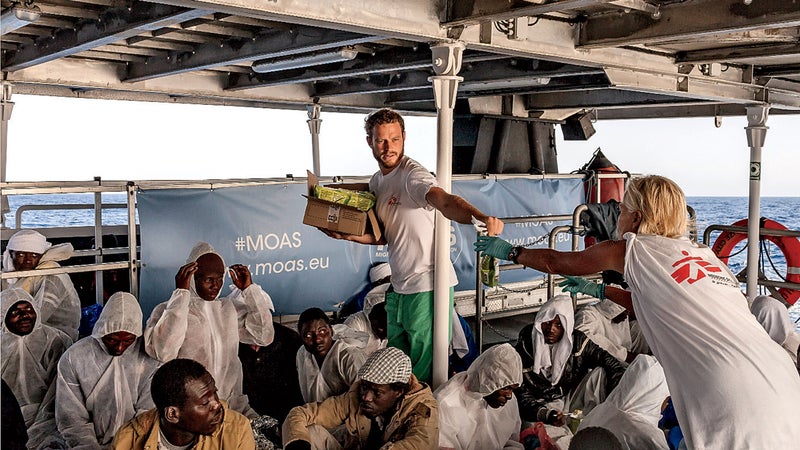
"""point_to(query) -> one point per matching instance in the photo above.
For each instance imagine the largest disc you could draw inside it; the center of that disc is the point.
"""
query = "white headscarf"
(773, 316)
(549, 360)
(120, 313)
(200, 249)
(609, 309)
(494, 369)
(34, 242)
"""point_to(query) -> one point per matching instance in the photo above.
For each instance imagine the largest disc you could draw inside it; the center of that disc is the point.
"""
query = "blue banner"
(300, 267)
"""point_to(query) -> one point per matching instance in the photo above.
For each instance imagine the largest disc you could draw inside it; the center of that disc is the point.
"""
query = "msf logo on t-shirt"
(393, 201)
(692, 269)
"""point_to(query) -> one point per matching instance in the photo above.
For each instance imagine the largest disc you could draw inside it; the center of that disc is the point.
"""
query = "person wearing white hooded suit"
(29, 364)
(104, 379)
(477, 409)
(196, 324)
(633, 408)
(59, 304)
(774, 317)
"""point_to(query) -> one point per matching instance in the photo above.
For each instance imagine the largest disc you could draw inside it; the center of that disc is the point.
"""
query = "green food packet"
(490, 271)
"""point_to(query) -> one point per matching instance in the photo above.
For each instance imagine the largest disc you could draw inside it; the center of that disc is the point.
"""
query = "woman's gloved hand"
(493, 246)
(576, 285)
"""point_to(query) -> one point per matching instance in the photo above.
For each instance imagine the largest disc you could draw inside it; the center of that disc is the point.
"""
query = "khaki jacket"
(414, 425)
(141, 433)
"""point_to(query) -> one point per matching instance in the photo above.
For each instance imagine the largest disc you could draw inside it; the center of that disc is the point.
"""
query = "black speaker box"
(577, 128)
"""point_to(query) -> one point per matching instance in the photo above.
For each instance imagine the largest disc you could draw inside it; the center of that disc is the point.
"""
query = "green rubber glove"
(578, 285)
(493, 246)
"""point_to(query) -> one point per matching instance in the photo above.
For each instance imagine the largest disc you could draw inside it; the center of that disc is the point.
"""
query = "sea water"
(709, 211)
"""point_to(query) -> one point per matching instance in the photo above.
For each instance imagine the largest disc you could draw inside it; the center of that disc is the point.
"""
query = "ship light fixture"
(299, 61)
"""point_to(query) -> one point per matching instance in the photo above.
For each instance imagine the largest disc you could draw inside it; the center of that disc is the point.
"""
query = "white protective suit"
(595, 322)
(466, 421)
(731, 386)
(774, 317)
(633, 408)
(186, 326)
(29, 368)
(339, 370)
(59, 304)
(549, 359)
(97, 393)
(359, 321)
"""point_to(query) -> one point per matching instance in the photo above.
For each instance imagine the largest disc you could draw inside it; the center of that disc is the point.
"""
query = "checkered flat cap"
(386, 366)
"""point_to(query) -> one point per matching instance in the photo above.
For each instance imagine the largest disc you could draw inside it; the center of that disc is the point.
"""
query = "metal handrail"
(761, 232)
(63, 206)
(480, 294)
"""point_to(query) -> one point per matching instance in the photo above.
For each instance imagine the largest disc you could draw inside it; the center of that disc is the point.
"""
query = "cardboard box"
(341, 218)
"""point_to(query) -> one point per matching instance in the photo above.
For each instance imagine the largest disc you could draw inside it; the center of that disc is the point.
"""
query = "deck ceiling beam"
(465, 90)
(302, 40)
(689, 20)
(485, 74)
(395, 60)
(492, 11)
(739, 53)
(114, 25)
(599, 98)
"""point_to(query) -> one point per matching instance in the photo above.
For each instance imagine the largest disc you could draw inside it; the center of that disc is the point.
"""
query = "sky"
(67, 139)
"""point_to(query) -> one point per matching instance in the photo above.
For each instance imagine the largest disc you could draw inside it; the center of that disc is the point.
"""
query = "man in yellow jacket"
(188, 414)
(387, 408)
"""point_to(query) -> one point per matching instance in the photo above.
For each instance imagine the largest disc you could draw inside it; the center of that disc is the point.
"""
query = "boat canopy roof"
(539, 59)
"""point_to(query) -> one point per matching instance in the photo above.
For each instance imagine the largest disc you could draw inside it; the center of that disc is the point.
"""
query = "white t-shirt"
(408, 222)
(732, 386)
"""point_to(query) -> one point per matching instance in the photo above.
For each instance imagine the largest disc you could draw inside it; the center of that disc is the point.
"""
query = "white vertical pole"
(446, 63)
(6, 106)
(314, 125)
(756, 132)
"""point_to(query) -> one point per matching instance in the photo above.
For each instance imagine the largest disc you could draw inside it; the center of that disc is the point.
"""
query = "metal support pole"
(314, 125)
(6, 106)
(446, 64)
(98, 243)
(756, 133)
(133, 260)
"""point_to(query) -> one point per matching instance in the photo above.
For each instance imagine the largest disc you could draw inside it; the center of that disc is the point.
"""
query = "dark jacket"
(536, 390)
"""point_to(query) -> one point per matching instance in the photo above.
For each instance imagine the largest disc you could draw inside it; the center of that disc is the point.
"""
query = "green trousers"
(409, 320)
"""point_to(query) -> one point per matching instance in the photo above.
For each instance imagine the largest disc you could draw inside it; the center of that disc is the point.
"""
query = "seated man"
(387, 405)
(608, 325)
(59, 304)
(556, 360)
(270, 373)
(188, 414)
(372, 323)
(195, 323)
(30, 352)
(477, 410)
(325, 366)
(774, 317)
(632, 411)
(104, 379)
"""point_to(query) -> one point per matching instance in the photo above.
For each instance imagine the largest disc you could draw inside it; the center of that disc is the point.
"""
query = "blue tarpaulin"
(300, 267)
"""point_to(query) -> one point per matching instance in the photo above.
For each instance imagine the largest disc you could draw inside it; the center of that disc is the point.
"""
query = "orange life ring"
(790, 247)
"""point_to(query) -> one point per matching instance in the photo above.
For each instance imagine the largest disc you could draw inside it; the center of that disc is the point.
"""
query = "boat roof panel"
(625, 58)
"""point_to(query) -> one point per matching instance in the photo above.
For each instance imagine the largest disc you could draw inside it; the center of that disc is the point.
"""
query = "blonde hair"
(662, 204)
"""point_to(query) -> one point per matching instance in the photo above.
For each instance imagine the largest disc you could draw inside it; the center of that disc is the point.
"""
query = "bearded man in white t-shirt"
(407, 199)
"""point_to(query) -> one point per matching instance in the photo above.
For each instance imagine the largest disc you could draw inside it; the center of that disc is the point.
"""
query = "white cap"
(379, 272)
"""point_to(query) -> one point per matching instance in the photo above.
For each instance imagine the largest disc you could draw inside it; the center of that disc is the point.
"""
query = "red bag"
(536, 437)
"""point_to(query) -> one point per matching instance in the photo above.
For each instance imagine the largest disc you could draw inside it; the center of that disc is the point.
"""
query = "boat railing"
(762, 280)
(523, 298)
(96, 231)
